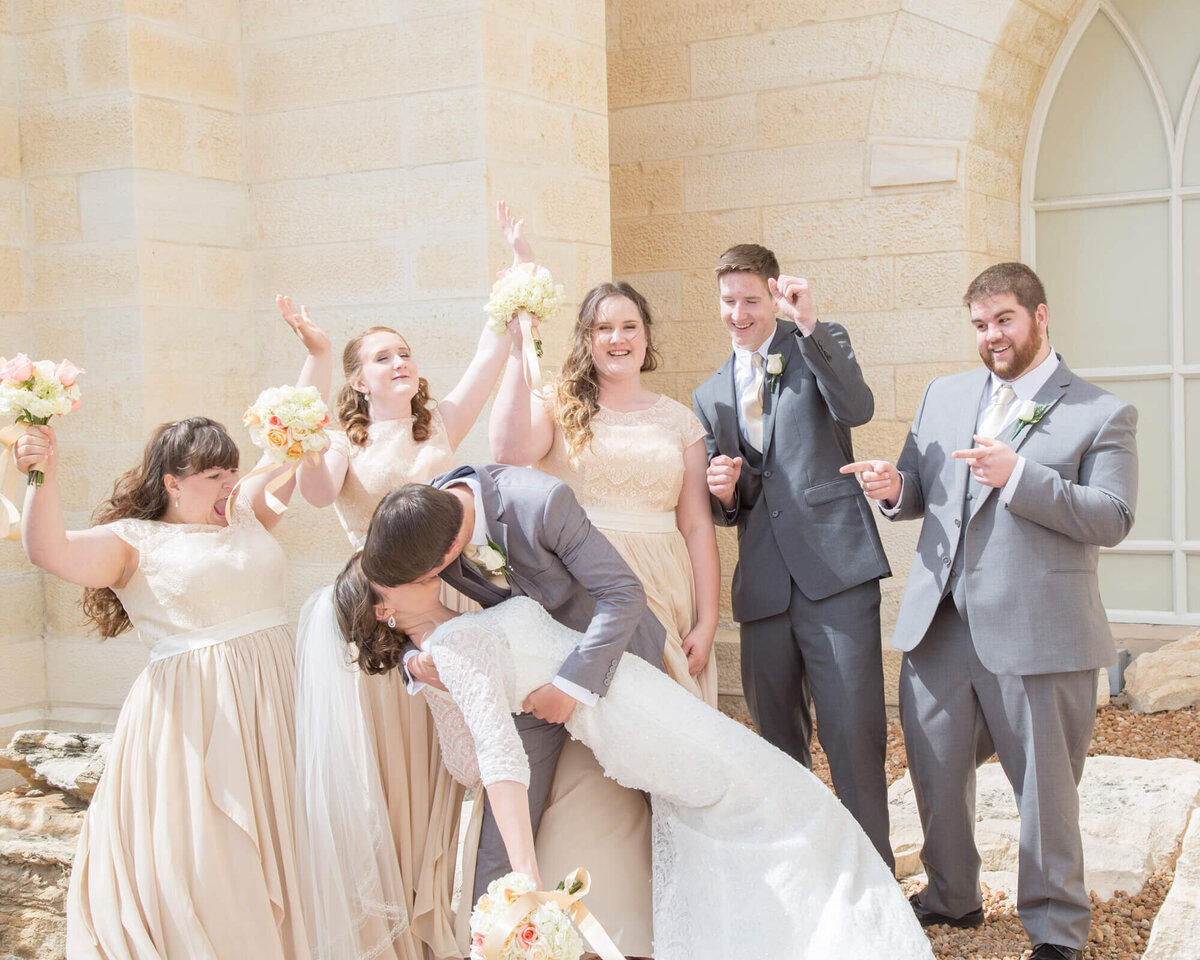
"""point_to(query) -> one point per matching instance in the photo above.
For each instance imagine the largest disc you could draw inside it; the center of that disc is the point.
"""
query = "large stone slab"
(1132, 816)
(70, 762)
(1167, 678)
(1176, 931)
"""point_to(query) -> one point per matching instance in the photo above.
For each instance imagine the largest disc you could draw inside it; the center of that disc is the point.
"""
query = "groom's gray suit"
(1004, 630)
(806, 587)
(564, 563)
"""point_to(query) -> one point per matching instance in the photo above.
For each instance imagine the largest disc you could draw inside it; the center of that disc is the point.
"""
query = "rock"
(1166, 679)
(1103, 695)
(70, 762)
(1132, 815)
(1175, 928)
(38, 834)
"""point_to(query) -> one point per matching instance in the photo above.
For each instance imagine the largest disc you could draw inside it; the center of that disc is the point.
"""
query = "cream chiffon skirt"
(187, 849)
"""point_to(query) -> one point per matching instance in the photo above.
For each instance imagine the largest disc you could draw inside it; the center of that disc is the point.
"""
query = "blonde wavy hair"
(354, 413)
(577, 391)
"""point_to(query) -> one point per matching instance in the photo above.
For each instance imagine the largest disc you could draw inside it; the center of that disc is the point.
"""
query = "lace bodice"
(635, 460)
(195, 575)
(391, 458)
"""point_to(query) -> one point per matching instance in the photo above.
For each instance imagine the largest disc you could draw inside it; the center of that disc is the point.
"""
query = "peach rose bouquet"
(538, 927)
(33, 391)
(288, 422)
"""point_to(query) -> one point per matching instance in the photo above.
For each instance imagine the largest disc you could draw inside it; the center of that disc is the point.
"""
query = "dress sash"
(632, 521)
(179, 643)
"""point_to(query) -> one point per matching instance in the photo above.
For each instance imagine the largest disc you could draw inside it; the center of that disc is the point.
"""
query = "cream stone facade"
(167, 166)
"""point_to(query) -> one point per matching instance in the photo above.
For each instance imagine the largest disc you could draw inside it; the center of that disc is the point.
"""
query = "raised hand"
(722, 476)
(315, 340)
(879, 479)
(793, 298)
(36, 449)
(514, 233)
(991, 463)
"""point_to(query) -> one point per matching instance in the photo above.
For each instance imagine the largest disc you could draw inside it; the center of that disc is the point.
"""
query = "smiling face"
(201, 496)
(747, 308)
(1010, 340)
(618, 339)
(387, 371)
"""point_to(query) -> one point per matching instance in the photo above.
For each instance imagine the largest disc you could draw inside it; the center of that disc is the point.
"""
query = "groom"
(513, 531)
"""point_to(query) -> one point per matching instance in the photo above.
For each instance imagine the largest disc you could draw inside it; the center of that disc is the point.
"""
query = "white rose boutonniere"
(775, 365)
(491, 560)
(1028, 414)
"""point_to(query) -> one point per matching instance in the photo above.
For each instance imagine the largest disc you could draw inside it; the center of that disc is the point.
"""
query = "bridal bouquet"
(526, 287)
(288, 422)
(534, 925)
(35, 390)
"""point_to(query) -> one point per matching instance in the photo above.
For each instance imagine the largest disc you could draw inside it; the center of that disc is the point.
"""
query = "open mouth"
(219, 508)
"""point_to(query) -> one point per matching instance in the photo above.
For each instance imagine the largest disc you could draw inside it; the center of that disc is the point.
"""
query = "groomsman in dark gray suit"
(1021, 471)
(806, 589)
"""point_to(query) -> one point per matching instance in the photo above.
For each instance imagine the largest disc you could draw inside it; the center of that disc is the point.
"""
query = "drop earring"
(391, 623)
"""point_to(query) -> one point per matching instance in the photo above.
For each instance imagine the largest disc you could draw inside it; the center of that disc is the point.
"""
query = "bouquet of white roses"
(288, 422)
(540, 928)
(527, 287)
(34, 391)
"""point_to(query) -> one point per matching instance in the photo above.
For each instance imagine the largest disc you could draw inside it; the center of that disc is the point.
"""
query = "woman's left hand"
(697, 645)
(514, 232)
(315, 340)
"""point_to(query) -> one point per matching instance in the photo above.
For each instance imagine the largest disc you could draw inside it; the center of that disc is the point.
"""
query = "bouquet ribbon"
(309, 459)
(10, 516)
(529, 354)
(578, 880)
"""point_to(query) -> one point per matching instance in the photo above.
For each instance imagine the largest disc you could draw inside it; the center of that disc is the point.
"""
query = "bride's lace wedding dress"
(753, 856)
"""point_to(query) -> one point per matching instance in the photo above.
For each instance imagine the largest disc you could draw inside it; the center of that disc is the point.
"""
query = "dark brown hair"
(181, 448)
(410, 532)
(577, 394)
(748, 258)
(1002, 278)
(376, 647)
(353, 412)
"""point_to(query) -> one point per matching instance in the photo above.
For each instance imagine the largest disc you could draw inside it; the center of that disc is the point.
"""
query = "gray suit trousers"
(955, 712)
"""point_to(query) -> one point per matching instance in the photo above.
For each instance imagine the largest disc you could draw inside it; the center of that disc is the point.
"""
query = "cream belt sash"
(218, 633)
(632, 521)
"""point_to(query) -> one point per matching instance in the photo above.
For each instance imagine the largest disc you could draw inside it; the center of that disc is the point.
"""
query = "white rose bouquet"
(288, 422)
(528, 287)
(541, 928)
(33, 391)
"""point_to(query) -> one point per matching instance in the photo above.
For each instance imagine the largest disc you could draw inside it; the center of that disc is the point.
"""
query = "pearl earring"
(392, 623)
(176, 503)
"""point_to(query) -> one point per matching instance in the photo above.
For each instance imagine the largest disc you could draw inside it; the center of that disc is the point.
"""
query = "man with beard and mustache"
(1021, 471)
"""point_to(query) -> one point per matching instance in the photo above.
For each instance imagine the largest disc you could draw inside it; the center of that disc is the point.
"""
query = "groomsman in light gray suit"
(805, 592)
(1021, 471)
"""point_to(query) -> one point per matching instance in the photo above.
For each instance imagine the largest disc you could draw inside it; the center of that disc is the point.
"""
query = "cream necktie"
(996, 415)
(751, 402)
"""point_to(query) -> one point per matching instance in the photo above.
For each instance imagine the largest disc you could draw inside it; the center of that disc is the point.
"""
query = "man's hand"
(549, 703)
(722, 476)
(879, 479)
(793, 297)
(422, 669)
(991, 463)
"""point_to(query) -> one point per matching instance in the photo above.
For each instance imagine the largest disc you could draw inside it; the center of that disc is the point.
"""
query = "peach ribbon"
(10, 515)
(307, 459)
(578, 881)
(529, 354)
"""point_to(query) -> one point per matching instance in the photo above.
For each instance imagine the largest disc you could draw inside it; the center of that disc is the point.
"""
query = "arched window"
(1111, 222)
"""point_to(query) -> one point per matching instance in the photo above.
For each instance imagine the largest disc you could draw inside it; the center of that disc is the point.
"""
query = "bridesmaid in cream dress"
(187, 849)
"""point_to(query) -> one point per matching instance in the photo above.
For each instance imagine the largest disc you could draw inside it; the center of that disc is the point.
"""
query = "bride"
(753, 856)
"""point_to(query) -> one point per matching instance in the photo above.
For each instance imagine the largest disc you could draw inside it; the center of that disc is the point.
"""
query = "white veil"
(352, 890)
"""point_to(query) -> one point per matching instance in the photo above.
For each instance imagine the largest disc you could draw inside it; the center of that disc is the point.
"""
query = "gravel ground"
(1120, 926)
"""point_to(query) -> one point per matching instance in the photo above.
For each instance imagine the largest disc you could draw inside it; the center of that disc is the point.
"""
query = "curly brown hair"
(374, 646)
(353, 412)
(577, 392)
(181, 449)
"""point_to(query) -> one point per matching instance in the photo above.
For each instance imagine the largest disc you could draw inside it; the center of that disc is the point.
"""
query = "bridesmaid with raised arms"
(392, 896)
(188, 848)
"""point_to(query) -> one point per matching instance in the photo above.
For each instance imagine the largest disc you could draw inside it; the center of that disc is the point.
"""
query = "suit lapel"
(783, 342)
(497, 529)
(966, 419)
(729, 436)
(1052, 391)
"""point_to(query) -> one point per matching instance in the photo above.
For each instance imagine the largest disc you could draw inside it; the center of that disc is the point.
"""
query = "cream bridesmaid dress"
(187, 849)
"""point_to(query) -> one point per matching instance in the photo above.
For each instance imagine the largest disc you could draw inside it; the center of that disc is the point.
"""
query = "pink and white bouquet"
(33, 391)
(527, 287)
(288, 422)
(535, 925)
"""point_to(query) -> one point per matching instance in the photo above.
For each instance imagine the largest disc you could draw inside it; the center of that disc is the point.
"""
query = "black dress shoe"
(1052, 951)
(928, 918)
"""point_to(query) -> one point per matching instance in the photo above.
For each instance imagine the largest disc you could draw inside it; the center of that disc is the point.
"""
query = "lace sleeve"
(458, 748)
(473, 664)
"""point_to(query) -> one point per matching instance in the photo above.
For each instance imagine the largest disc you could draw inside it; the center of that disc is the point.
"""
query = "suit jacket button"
(945, 561)
(958, 523)
(774, 513)
(767, 474)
